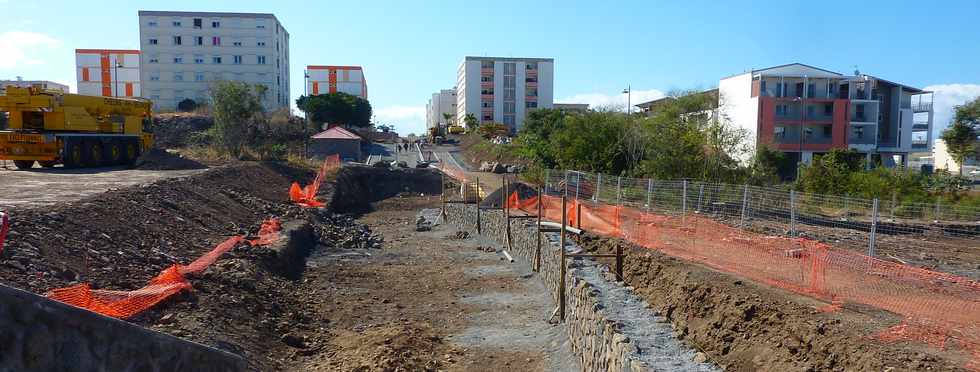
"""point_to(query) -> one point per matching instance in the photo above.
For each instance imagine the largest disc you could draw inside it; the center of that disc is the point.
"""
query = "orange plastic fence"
(306, 196)
(4, 228)
(170, 281)
(935, 304)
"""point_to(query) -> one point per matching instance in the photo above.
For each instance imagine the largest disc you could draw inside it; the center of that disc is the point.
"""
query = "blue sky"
(411, 49)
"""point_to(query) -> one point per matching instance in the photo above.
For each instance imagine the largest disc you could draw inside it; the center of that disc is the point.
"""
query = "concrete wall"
(39, 334)
(601, 336)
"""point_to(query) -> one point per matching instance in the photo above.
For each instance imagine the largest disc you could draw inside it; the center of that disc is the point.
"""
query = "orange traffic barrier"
(936, 305)
(306, 196)
(170, 281)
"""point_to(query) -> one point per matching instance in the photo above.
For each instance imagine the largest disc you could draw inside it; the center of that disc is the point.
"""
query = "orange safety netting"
(4, 228)
(170, 281)
(306, 196)
(935, 303)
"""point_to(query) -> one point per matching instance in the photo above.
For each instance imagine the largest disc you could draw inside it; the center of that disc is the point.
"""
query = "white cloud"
(614, 101)
(405, 119)
(946, 98)
(16, 48)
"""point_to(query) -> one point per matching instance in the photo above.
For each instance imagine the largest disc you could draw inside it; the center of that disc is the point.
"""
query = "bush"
(187, 105)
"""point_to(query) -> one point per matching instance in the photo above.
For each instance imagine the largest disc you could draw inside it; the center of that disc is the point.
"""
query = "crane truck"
(52, 127)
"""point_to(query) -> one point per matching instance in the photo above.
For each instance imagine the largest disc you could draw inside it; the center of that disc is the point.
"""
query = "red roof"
(336, 133)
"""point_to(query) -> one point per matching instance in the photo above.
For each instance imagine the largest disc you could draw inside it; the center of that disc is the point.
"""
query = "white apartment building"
(804, 111)
(443, 102)
(332, 79)
(184, 52)
(108, 72)
(503, 90)
(40, 84)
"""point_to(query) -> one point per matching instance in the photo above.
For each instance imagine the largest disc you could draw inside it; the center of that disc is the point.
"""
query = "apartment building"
(440, 104)
(503, 90)
(108, 72)
(332, 79)
(183, 53)
(805, 111)
(40, 84)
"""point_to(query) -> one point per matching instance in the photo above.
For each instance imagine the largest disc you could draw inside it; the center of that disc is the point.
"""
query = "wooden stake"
(537, 248)
(561, 261)
(479, 224)
(506, 207)
(619, 263)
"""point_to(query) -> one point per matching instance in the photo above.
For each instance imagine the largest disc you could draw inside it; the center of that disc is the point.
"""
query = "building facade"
(333, 79)
(805, 111)
(440, 104)
(40, 84)
(183, 53)
(503, 90)
(108, 72)
(571, 107)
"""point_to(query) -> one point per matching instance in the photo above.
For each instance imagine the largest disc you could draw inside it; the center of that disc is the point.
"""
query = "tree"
(187, 105)
(470, 122)
(961, 136)
(336, 108)
(235, 107)
(448, 117)
(831, 172)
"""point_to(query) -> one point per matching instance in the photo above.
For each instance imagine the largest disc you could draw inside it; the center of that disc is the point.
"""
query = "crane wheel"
(113, 154)
(130, 153)
(24, 164)
(47, 163)
(94, 151)
(72, 158)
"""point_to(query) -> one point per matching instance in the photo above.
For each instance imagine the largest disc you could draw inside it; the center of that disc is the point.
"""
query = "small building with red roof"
(336, 140)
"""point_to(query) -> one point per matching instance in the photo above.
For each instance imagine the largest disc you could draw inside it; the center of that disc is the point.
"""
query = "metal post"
(442, 193)
(745, 204)
(684, 199)
(578, 183)
(547, 178)
(874, 228)
(578, 215)
(700, 196)
(894, 201)
(479, 223)
(561, 262)
(649, 193)
(792, 213)
(598, 187)
(619, 190)
(537, 248)
(565, 189)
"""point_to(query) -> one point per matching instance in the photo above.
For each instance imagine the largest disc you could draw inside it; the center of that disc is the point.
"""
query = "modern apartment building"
(332, 79)
(803, 110)
(108, 72)
(441, 103)
(40, 84)
(503, 90)
(183, 53)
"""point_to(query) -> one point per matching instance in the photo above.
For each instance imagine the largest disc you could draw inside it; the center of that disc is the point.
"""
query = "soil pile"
(159, 159)
(743, 326)
(524, 191)
(359, 186)
(178, 130)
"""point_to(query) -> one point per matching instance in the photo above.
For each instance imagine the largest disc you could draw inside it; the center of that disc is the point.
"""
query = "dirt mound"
(159, 159)
(178, 130)
(359, 186)
(743, 326)
(524, 191)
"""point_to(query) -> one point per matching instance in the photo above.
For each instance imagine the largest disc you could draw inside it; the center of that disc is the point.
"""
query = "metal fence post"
(700, 196)
(598, 187)
(578, 183)
(565, 191)
(649, 193)
(894, 201)
(547, 179)
(936, 213)
(619, 190)
(684, 199)
(874, 227)
(792, 212)
(745, 204)
(479, 223)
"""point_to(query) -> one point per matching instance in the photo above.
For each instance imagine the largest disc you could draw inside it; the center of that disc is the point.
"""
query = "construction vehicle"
(52, 127)
(456, 129)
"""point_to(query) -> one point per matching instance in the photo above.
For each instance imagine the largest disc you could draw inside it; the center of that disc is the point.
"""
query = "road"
(40, 187)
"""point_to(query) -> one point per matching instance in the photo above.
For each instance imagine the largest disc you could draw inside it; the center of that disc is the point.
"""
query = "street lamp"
(628, 92)
(115, 73)
(799, 165)
(306, 123)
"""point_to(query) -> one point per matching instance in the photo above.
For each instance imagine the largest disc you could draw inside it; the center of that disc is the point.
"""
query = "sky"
(410, 49)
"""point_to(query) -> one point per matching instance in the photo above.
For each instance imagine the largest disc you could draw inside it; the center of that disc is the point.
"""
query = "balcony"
(922, 107)
(920, 125)
(920, 143)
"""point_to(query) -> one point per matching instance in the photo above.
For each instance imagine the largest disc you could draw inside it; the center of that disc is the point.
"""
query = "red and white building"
(333, 79)
(804, 111)
(108, 72)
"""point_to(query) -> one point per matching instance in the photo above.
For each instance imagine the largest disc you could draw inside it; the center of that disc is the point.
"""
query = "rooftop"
(509, 59)
(337, 132)
(205, 14)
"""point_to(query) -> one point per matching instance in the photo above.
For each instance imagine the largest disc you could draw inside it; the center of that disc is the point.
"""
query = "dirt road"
(427, 301)
(40, 187)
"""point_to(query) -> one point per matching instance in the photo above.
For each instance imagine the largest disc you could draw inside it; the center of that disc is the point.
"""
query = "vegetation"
(236, 106)
(961, 135)
(336, 108)
(470, 122)
(492, 130)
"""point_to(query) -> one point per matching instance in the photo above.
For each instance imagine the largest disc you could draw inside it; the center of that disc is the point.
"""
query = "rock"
(293, 340)
(511, 169)
(381, 164)
(700, 358)
(486, 167)
(498, 168)
(17, 265)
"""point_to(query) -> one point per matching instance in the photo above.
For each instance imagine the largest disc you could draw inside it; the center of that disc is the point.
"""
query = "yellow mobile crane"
(78, 131)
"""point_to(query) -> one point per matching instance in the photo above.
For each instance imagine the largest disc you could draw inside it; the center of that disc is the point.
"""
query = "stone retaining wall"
(38, 334)
(601, 342)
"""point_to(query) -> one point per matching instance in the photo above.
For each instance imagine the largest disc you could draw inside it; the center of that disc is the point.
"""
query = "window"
(215, 24)
(486, 79)
(779, 132)
(198, 76)
(261, 60)
(152, 23)
(216, 41)
(762, 88)
(237, 43)
(178, 76)
(154, 59)
(510, 94)
(199, 40)
(532, 65)
(197, 23)
(828, 109)
(530, 104)
(811, 111)
(779, 90)
(486, 64)
(858, 132)
(216, 60)
(155, 77)
(237, 60)
(781, 110)
(509, 120)
(198, 59)
(531, 80)
(827, 131)
(811, 90)
(532, 92)
(488, 117)
(486, 91)
(510, 68)
(486, 104)
(179, 59)
(177, 40)
(261, 43)
(154, 41)
(509, 107)
(176, 23)
(259, 26)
